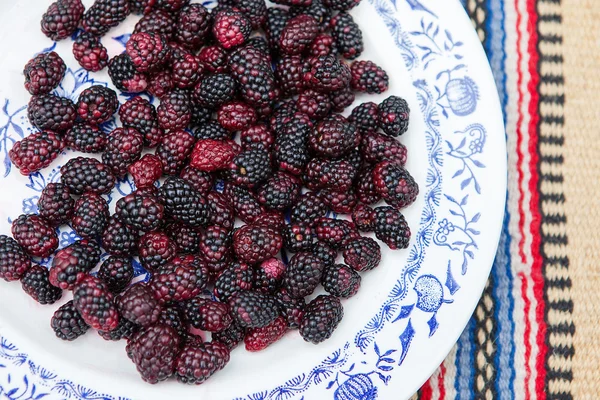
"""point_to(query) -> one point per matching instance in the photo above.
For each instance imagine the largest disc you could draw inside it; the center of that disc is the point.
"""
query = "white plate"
(408, 313)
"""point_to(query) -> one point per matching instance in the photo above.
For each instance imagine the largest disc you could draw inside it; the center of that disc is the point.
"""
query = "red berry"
(260, 338)
(253, 244)
(36, 151)
(146, 170)
(235, 116)
(211, 155)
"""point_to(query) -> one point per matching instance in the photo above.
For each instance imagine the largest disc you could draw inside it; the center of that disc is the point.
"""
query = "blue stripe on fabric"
(495, 46)
(465, 363)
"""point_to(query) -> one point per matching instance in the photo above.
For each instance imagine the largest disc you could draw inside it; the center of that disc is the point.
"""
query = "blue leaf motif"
(405, 340)
(433, 325)
(478, 164)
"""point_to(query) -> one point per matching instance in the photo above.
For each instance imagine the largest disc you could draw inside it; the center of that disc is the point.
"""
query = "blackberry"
(84, 174)
(124, 76)
(244, 203)
(211, 130)
(103, 15)
(395, 184)
(259, 42)
(256, 136)
(176, 282)
(291, 308)
(35, 235)
(221, 213)
(335, 232)
(183, 203)
(215, 90)
(334, 137)
(303, 274)
(14, 262)
(347, 36)
(326, 73)
(252, 309)
(158, 22)
(62, 18)
(141, 6)
(125, 330)
(236, 115)
(55, 204)
(260, 338)
(393, 116)
(314, 104)
(254, 10)
(362, 254)
(365, 117)
(341, 281)
(298, 33)
(160, 84)
(363, 217)
(283, 114)
(142, 213)
(339, 202)
(123, 147)
(308, 209)
(193, 26)
(273, 26)
(174, 111)
(333, 174)
(202, 181)
(215, 243)
(341, 5)
(43, 73)
(250, 167)
(297, 237)
(376, 147)
(186, 238)
(154, 351)
(36, 284)
(156, 250)
(199, 115)
(296, 3)
(139, 114)
(67, 322)
(342, 99)
(97, 104)
(148, 51)
(89, 52)
(118, 239)
(236, 277)
(231, 28)
(391, 228)
(138, 305)
(322, 45)
(36, 151)
(94, 302)
(280, 191)
(365, 188)
(291, 145)
(214, 59)
(315, 9)
(86, 138)
(174, 151)
(186, 71)
(254, 75)
(368, 77)
(207, 315)
(171, 316)
(211, 155)
(51, 112)
(289, 75)
(172, 6)
(146, 171)
(271, 219)
(72, 263)
(116, 272)
(269, 275)
(253, 244)
(325, 253)
(90, 215)
(231, 336)
(321, 317)
(195, 364)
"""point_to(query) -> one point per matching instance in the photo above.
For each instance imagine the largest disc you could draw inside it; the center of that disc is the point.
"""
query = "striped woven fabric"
(520, 340)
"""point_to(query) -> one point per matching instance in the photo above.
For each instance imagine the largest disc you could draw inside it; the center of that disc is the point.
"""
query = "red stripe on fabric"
(534, 204)
(520, 134)
(425, 393)
(527, 333)
(441, 382)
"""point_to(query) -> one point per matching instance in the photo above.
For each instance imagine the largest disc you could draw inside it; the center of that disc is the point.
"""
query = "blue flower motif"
(476, 146)
(445, 227)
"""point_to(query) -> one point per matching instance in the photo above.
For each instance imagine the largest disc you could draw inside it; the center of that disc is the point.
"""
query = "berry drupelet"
(36, 284)
(82, 174)
(14, 262)
(321, 317)
(43, 73)
(67, 322)
(35, 235)
(36, 151)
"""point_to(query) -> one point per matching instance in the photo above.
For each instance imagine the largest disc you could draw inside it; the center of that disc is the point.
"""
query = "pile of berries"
(297, 161)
